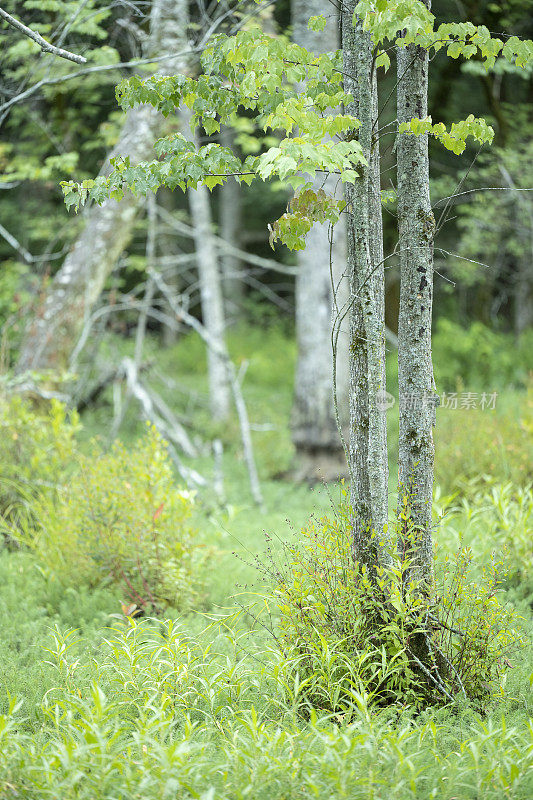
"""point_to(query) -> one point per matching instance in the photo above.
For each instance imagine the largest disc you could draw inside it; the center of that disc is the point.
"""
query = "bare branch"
(45, 46)
(258, 261)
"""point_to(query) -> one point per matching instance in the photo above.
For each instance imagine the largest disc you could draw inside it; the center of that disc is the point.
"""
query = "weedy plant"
(122, 519)
(500, 519)
(345, 634)
(485, 446)
(157, 714)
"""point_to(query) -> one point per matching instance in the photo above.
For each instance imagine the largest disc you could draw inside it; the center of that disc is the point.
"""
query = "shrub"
(496, 445)
(121, 519)
(37, 448)
(345, 636)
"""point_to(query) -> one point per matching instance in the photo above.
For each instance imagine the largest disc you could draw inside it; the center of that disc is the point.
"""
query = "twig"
(440, 624)
(109, 377)
(218, 474)
(258, 261)
(424, 669)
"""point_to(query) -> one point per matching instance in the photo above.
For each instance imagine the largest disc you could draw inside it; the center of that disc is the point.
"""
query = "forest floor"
(97, 707)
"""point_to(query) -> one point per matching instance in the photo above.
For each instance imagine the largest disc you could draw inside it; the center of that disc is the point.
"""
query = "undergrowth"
(343, 632)
(161, 715)
(120, 519)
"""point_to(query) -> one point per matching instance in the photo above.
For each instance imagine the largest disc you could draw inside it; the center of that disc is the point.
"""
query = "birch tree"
(230, 224)
(320, 293)
(212, 301)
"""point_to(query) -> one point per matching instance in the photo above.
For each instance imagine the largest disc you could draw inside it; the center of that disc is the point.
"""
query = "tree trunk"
(523, 311)
(52, 333)
(230, 224)
(368, 432)
(212, 301)
(168, 246)
(522, 276)
(319, 451)
(415, 370)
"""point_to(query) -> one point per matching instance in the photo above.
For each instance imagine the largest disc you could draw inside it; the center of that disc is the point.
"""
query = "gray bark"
(53, 331)
(320, 293)
(415, 371)
(212, 301)
(230, 224)
(368, 433)
(168, 245)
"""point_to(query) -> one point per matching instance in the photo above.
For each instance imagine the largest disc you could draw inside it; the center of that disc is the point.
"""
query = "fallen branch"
(101, 385)
(169, 427)
(240, 405)
(190, 476)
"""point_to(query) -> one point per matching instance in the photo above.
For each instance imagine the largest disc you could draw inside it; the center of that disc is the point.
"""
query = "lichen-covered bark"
(415, 371)
(319, 452)
(368, 436)
(53, 331)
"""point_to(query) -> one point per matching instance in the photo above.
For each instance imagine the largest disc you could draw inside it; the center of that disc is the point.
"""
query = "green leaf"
(317, 24)
(454, 139)
(383, 60)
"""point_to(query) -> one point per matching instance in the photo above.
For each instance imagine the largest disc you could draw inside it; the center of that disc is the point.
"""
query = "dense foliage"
(37, 448)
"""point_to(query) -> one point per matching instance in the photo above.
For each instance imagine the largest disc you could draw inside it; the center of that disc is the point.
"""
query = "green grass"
(129, 712)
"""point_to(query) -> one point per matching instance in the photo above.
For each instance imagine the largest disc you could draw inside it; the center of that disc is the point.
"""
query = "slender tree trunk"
(368, 433)
(168, 246)
(52, 333)
(230, 223)
(523, 310)
(319, 451)
(212, 301)
(415, 370)
(522, 275)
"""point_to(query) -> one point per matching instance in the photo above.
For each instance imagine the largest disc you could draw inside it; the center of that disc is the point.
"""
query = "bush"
(121, 519)
(161, 721)
(344, 636)
(494, 445)
(37, 448)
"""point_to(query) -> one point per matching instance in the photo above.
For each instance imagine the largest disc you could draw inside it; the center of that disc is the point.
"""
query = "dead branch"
(45, 46)
(264, 263)
(240, 405)
(111, 376)
(171, 431)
